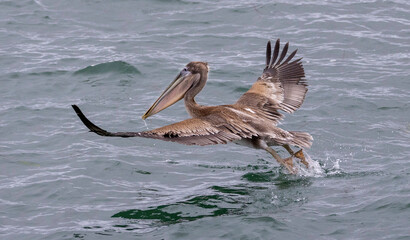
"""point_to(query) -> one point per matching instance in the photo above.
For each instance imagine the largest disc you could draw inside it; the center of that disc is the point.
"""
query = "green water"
(114, 58)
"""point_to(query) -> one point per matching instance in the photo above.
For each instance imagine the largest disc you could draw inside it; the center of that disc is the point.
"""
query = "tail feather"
(302, 139)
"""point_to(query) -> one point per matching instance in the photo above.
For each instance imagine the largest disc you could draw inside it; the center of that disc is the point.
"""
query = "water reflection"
(229, 200)
(192, 209)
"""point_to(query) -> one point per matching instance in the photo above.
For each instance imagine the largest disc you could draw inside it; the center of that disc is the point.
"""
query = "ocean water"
(114, 58)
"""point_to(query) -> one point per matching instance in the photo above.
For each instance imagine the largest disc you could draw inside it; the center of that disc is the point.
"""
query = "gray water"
(114, 58)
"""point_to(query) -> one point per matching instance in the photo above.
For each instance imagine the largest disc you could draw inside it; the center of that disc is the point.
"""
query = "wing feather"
(284, 52)
(194, 131)
(275, 53)
(282, 86)
(268, 53)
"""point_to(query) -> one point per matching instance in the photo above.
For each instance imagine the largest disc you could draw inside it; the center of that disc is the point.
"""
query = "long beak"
(174, 92)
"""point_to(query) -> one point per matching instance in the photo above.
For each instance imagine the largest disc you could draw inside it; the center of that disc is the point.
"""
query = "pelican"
(251, 121)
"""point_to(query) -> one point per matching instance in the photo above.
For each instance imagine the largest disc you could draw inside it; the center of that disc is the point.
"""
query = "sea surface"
(114, 58)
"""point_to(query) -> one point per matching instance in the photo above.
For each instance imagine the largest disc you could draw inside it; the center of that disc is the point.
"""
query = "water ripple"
(59, 181)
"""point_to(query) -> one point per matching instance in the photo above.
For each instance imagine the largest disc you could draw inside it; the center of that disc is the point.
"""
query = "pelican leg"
(287, 162)
(299, 154)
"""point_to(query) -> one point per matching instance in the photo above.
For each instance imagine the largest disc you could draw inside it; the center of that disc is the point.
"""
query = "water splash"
(335, 169)
(314, 169)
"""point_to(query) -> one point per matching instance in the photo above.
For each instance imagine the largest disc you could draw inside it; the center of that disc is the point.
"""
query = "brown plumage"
(250, 121)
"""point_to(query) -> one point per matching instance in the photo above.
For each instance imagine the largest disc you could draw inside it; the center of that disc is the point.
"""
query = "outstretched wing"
(192, 131)
(282, 85)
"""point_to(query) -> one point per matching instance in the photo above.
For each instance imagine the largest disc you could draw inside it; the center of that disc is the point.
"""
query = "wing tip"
(272, 56)
(268, 54)
(91, 126)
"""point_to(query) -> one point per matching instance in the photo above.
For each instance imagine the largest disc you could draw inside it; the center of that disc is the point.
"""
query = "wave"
(109, 67)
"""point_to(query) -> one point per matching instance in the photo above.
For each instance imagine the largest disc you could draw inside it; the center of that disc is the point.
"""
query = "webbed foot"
(288, 163)
(299, 154)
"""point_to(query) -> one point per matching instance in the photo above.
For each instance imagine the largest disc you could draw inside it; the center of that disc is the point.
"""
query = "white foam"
(314, 170)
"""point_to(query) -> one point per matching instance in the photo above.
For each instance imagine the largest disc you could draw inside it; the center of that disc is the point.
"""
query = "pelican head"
(191, 79)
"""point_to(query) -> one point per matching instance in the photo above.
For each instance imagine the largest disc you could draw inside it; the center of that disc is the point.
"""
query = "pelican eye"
(185, 71)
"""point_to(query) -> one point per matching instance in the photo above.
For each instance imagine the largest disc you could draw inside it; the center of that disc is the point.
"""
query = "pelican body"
(251, 121)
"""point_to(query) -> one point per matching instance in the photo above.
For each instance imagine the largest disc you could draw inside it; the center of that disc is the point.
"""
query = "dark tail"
(100, 131)
(302, 139)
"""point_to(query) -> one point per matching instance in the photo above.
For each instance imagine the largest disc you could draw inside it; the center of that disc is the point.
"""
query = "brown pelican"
(250, 121)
